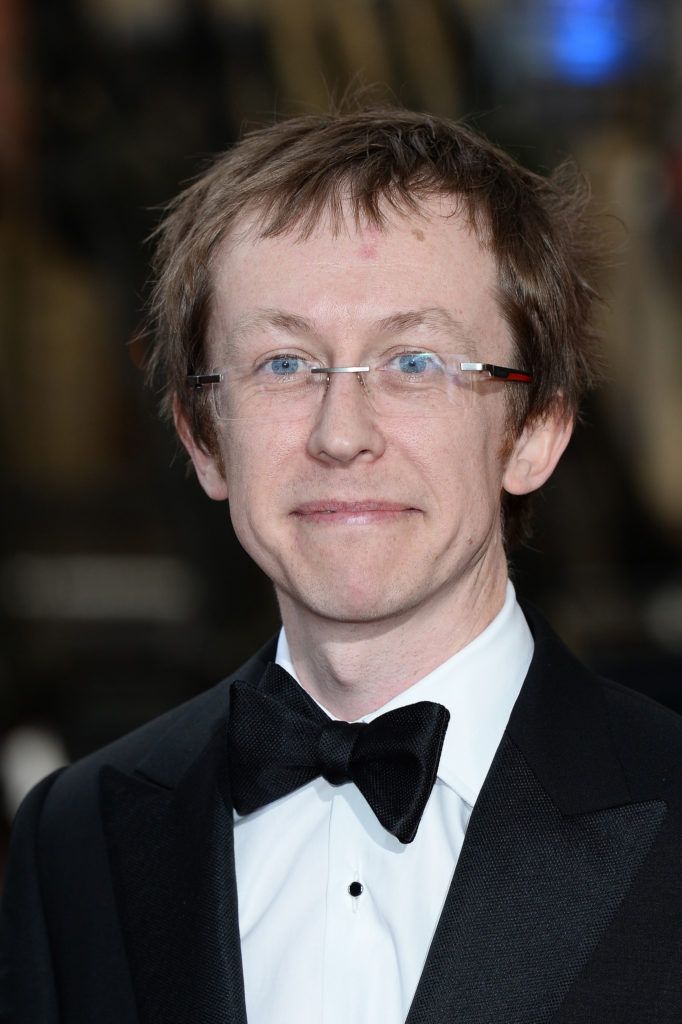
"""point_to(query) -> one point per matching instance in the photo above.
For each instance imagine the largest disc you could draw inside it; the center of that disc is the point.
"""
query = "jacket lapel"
(552, 846)
(169, 832)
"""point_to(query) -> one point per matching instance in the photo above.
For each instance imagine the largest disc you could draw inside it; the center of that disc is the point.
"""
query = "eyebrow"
(290, 323)
(436, 317)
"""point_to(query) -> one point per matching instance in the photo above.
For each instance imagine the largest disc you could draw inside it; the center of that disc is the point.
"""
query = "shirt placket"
(348, 939)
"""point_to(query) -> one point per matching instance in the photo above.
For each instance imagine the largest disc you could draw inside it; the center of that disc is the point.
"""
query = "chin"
(340, 603)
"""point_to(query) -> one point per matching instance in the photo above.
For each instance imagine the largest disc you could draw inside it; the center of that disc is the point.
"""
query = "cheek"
(256, 457)
(460, 461)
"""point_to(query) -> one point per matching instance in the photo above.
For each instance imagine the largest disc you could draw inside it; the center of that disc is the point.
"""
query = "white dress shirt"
(312, 952)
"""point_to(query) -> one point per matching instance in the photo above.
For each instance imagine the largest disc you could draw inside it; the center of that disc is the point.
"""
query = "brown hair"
(290, 173)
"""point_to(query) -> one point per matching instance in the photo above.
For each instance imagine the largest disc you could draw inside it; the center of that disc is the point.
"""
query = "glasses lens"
(420, 384)
(279, 388)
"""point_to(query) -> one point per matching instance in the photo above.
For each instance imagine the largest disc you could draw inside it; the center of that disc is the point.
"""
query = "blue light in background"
(591, 40)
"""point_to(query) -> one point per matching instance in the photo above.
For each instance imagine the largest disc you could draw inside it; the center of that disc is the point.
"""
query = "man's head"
(365, 170)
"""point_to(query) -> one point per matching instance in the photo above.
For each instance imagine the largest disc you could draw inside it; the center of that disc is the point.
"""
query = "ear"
(537, 451)
(207, 467)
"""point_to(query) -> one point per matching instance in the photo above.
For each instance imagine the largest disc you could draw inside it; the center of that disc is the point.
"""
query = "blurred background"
(122, 590)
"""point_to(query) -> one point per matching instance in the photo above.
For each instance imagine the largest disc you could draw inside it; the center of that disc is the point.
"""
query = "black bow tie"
(279, 740)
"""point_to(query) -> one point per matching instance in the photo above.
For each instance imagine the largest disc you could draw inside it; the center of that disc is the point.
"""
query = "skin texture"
(381, 534)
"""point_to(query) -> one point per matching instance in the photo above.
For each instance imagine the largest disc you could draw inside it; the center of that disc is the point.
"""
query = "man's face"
(354, 515)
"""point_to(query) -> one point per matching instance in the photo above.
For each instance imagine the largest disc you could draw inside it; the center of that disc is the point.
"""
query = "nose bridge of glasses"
(324, 374)
(328, 370)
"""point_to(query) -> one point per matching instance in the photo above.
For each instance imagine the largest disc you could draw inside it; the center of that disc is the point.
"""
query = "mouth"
(333, 511)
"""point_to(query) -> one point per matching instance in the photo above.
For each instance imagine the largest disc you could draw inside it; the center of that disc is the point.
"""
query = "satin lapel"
(532, 895)
(169, 832)
(553, 844)
(172, 862)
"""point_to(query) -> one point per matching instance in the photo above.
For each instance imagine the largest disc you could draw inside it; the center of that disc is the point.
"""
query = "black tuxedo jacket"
(566, 904)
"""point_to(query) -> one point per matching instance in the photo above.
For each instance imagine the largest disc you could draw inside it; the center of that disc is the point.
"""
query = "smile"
(358, 513)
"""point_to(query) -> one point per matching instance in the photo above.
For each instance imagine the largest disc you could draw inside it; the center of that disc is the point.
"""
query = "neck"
(353, 668)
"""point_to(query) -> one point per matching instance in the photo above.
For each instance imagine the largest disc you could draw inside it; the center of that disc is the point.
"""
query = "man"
(374, 331)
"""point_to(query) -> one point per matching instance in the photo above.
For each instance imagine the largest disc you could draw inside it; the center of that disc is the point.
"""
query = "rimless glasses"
(291, 386)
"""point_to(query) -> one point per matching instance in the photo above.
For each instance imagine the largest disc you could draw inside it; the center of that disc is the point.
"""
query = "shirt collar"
(478, 685)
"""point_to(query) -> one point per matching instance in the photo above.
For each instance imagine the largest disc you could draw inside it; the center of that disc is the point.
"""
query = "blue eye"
(412, 363)
(284, 365)
(416, 362)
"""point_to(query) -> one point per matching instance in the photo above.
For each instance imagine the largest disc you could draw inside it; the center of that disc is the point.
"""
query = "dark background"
(122, 588)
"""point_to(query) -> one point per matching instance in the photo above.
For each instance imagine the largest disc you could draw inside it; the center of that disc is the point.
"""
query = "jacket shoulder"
(594, 742)
(646, 735)
(168, 744)
(127, 751)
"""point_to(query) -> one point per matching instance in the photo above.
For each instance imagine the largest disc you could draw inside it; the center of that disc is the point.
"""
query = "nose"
(345, 427)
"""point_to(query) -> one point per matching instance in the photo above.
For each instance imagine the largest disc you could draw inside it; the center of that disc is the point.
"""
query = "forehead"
(344, 279)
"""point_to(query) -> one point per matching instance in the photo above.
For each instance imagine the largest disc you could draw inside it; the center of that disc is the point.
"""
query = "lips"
(331, 512)
(331, 506)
